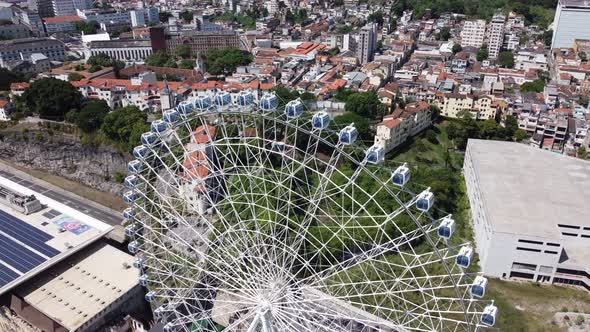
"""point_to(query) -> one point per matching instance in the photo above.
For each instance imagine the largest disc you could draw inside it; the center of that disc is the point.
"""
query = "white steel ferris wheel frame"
(244, 268)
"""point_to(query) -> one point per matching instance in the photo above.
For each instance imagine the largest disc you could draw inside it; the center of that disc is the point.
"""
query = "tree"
(520, 135)
(51, 98)
(120, 124)
(8, 77)
(534, 86)
(100, 59)
(506, 59)
(186, 15)
(482, 53)
(72, 77)
(87, 28)
(183, 51)
(583, 100)
(544, 75)
(225, 61)
(376, 17)
(444, 34)
(187, 64)
(92, 115)
(285, 95)
(157, 59)
(582, 152)
(457, 48)
(164, 16)
(365, 104)
(548, 37)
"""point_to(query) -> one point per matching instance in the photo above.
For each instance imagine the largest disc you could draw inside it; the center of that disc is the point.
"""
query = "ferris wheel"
(247, 216)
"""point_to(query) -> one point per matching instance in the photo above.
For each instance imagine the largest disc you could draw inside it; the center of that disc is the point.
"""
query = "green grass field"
(523, 306)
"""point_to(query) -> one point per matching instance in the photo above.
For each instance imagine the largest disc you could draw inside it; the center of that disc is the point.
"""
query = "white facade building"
(63, 7)
(137, 18)
(529, 212)
(401, 124)
(473, 33)
(496, 35)
(571, 22)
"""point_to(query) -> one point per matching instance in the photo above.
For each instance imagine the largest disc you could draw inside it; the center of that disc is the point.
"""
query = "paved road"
(79, 204)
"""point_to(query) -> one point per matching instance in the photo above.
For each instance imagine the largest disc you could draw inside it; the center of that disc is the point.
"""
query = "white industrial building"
(570, 22)
(530, 212)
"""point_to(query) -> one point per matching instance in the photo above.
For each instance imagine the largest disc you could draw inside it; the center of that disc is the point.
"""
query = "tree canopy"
(91, 116)
(157, 59)
(365, 104)
(482, 53)
(88, 28)
(51, 98)
(124, 125)
(534, 86)
(457, 48)
(8, 77)
(506, 59)
(226, 60)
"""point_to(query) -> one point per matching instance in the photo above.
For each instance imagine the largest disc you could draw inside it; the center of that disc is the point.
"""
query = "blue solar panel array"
(6, 275)
(18, 256)
(14, 254)
(27, 234)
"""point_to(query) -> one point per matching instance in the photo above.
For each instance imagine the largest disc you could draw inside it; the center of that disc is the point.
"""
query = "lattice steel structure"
(253, 217)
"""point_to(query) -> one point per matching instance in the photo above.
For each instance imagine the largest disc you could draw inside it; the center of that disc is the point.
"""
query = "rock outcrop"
(98, 167)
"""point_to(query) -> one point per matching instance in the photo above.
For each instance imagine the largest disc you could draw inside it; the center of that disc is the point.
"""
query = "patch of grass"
(536, 304)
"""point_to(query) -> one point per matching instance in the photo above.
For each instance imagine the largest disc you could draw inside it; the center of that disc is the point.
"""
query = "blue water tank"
(134, 166)
(202, 102)
(130, 197)
(222, 99)
(446, 228)
(464, 257)
(245, 98)
(320, 120)
(159, 126)
(269, 102)
(294, 109)
(401, 176)
(488, 317)
(170, 116)
(149, 139)
(140, 151)
(478, 287)
(375, 154)
(348, 135)
(425, 200)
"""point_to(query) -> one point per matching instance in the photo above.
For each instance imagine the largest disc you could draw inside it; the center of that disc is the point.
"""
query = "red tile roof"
(61, 19)
(392, 123)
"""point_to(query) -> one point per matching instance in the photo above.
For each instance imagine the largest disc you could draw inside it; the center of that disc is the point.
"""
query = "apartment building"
(19, 49)
(403, 123)
(202, 41)
(366, 42)
(13, 31)
(59, 24)
(481, 107)
(496, 35)
(520, 230)
(548, 127)
(473, 33)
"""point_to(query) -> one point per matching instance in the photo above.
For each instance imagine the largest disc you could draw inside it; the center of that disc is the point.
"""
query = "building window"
(529, 241)
(528, 249)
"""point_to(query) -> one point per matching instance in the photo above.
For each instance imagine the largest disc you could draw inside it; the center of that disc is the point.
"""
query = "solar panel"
(18, 256)
(27, 234)
(6, 275)
(7, 219)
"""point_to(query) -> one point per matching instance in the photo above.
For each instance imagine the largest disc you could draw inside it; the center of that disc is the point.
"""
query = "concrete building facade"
(496, 35)
(570, 22)
(473, 33)
(403, 123)
(19, 49)
(530, 225)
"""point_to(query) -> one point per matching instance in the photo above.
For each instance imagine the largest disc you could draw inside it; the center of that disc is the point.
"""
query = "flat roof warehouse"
(31, 243)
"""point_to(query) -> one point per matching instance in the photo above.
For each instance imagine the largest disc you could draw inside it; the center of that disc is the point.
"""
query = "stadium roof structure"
(30, 243)
(530, 191)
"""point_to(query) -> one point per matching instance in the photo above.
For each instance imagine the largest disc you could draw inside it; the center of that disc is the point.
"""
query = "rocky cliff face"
(97, 167)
